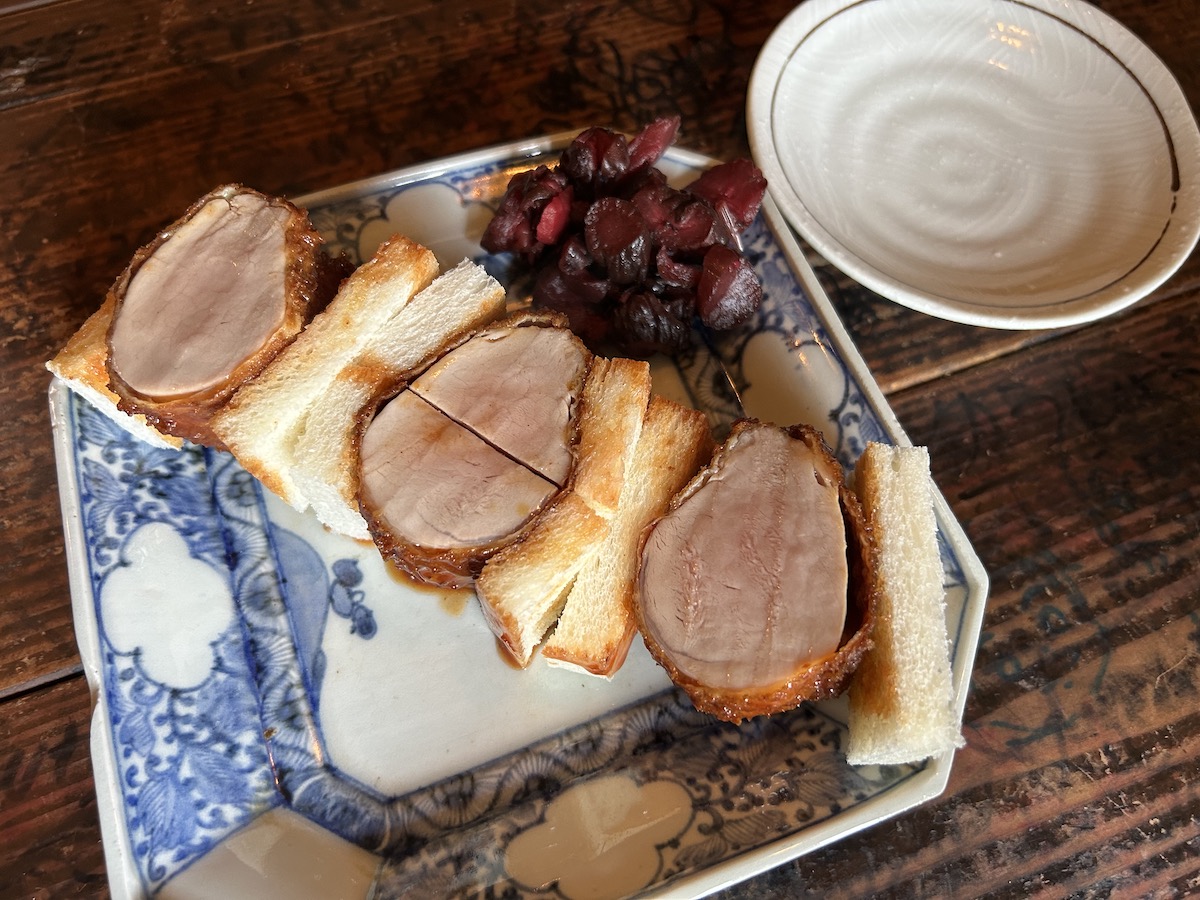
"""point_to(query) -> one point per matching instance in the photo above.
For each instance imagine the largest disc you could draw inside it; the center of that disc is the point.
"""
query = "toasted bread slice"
(262, 422)
(612, 410)
(900, 696)
(82, 365)
(598, 621)
(523, 587)
(325, 456)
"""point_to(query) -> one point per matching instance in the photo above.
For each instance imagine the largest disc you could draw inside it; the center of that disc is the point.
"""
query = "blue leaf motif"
(207, 544)
(218, 777)
(136, 731)
(94, 428)
(231, 714)
(363, 622)
(166, 811)
(107, 495)
(346, 571)
(342, 600)
(188, 497)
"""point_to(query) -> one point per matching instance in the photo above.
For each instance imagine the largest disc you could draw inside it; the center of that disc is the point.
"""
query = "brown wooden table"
(1070, 456)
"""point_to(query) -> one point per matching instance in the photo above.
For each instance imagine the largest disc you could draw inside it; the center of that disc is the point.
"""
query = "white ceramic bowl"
(1013, 164)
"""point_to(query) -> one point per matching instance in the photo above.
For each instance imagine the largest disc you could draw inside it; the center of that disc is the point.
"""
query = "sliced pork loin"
(517, 387)
(437, 484)
(207, 304)
(457, 463)
(756, 589)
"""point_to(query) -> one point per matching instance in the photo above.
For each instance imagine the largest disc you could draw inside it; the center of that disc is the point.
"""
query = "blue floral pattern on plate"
(192, 764)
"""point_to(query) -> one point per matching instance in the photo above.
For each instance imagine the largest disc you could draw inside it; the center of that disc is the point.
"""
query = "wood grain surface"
(1069, 456)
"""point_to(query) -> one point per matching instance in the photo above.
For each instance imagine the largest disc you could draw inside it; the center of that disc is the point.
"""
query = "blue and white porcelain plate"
(276, 713)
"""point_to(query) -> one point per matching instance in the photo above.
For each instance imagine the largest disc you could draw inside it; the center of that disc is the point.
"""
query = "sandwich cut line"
(463, 425)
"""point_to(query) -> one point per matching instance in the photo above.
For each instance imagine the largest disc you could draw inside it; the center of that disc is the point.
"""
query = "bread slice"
(82, 365)
(523, 587)
(325, 457)
(611, 412)
(900, 696)
(262, 422)
(598, 622)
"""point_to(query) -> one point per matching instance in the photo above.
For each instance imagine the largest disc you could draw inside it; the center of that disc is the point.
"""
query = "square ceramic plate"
(276, 714)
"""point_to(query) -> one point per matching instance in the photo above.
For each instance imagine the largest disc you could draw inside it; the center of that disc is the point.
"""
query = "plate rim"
(114, 836)
(1178, 120)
